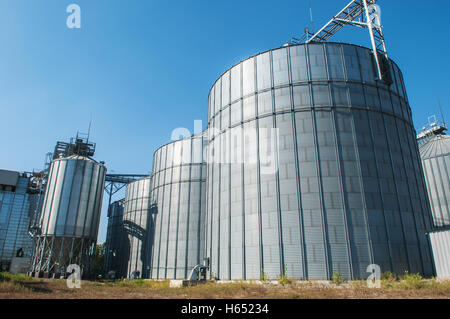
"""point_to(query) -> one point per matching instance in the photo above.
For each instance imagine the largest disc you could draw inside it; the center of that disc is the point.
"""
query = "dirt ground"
(23, 287)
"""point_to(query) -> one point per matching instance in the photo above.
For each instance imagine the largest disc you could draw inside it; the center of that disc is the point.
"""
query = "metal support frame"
(434, 128)
(115, 182)
(358, 13)
(53, 254)
(77, 146)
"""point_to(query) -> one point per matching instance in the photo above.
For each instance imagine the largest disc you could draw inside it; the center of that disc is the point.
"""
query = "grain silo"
(70, 215)
(435, 154)
(116, 245)
(313, 167)
(178, 199)
(137, 225)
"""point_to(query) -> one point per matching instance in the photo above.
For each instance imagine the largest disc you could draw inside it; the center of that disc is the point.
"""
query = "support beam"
(115, 182)
(357, 13)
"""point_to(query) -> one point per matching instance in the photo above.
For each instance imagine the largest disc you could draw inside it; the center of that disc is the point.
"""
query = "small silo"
(435, 154)
(313, 168)
(70, 216)
(137, 224)
(116, 245)
(178, 202)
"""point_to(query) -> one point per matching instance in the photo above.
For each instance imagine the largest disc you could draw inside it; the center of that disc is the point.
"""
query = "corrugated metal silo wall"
(440, 241)
(178, 198)
(72, 203)
(346, 191)
(436, 165)
(116, 248)
(14, 222)
(137, 223)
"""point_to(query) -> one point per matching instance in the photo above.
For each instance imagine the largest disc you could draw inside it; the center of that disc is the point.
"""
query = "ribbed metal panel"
(137, 225)
(116, 245)
(73, 198)
(14, 219)
(348, 191)
(435, 155)
(440, 242)
(178, 201)
(70, 216)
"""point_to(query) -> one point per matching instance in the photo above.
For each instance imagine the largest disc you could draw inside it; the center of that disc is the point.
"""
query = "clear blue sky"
(141, 68)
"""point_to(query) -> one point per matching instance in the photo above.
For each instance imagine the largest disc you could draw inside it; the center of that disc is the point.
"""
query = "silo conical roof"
(438, 146)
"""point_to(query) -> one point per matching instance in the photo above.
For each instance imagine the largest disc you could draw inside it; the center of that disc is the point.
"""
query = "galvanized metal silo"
(137, 224)
(15, 202)
(435, 154)
(70, 216)
(116, 245)
(440, 241)
(313, 168)
(178, 199)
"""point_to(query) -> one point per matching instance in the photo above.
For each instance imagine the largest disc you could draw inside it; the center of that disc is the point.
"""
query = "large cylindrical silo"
(137, 224)
(313, 168)
(435, 155)
(178, 198)
(70, 216)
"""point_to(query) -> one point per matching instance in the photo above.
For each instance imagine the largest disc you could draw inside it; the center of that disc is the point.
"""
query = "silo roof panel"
(438, 146)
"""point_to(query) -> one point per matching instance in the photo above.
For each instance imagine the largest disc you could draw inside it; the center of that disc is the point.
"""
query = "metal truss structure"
(358, 13)
(37, 185)
(115, 182)
(77, 146)
(52, 255)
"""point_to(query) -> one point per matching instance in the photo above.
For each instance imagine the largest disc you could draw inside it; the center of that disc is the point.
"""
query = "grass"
(153, 284)
(284, 280)
(13, 288)
(413, 281)
(408, 286)
(337, 278)
(263, 276)
(388, 276)
(15, 278)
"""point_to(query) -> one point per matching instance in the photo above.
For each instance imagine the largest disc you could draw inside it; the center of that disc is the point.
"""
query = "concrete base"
(185, 283)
